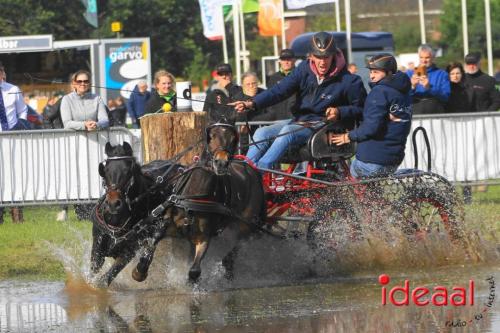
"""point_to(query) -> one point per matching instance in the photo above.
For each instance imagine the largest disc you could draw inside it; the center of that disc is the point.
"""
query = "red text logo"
(421, 296)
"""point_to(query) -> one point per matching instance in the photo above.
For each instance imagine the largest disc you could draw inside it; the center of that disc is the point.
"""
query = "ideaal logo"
(439, 296)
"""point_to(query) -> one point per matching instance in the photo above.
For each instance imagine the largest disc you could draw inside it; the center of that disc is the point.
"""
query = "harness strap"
(203, 206)
(101, 223)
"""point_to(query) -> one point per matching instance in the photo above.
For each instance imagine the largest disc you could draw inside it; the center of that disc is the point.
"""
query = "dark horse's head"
(119, 172)
(222, 141)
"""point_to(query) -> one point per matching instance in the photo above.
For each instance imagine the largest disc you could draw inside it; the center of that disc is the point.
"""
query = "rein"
(161, 179)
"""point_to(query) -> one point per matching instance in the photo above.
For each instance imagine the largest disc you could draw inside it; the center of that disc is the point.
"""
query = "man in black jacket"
(222, 93)
(282, 110)
(485, 95)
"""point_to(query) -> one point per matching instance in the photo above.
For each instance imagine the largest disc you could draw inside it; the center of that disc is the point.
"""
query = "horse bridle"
(225, 149)
(127, 185)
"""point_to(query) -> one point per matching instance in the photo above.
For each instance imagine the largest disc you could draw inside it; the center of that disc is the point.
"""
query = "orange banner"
(270, 16)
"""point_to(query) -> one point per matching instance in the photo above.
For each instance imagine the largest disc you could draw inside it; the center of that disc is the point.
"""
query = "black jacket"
(155, 103)
(52, 116)
(461, 98)
(282, 110)
(253, 115)
(486, 97)
(216, 103)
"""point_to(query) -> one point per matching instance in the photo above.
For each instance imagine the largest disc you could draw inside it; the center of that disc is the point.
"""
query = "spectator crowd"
(458, 88)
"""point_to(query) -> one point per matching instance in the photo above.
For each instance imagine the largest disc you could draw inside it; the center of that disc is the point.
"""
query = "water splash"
(343, 247)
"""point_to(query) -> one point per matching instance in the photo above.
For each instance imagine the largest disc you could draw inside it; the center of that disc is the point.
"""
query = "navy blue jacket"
(340, 88)
(137, 103)
(381, 140)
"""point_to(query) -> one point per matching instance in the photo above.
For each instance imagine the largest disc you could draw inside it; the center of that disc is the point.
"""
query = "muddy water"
(343, 305)
(278, 287)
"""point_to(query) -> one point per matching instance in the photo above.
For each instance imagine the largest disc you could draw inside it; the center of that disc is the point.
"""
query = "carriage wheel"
(335, 223)
(424, 212)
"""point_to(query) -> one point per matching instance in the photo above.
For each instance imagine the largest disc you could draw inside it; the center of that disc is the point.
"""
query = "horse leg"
(200, 246)
(230, 236)
(116, 268)
(140, 272)
(228, 263)
(97, 254)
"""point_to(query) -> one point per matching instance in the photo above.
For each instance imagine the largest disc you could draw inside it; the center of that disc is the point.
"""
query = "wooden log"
(164, 135)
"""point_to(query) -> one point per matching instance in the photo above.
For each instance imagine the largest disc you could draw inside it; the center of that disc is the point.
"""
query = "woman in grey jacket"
(81, 109)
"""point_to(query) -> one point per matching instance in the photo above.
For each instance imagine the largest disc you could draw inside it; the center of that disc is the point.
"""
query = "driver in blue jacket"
(385, 121)
(322, 86)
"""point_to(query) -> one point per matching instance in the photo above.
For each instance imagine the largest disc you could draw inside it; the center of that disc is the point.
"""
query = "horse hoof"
(138, 276)
(194, 275)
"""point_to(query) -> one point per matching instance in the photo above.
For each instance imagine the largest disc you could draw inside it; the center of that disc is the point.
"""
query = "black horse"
(121, 220)
(218, 196)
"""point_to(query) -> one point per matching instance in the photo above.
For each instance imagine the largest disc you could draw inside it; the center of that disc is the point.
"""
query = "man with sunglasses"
(323, 87)
(81, 109)
(223, 92)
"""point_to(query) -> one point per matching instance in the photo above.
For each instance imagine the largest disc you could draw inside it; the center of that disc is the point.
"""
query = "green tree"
(175, 30)
(174, 27)
(451, 27)
(63, 19)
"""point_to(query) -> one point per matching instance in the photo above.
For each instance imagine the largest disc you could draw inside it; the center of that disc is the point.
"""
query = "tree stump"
(165, 135)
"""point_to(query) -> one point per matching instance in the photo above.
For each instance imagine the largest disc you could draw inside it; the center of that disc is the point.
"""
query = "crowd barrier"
(55, 166)
(465, 147)
(61, 166)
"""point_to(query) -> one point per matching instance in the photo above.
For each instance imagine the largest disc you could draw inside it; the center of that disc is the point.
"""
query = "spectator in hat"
(486, 97)
(283, 109)
(13, 115)
(222, 93)
(430, 85)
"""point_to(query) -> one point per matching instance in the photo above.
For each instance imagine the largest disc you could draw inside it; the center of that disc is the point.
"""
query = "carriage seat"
(318, 146)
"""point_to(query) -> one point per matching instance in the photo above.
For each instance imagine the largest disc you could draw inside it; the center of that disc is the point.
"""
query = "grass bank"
(24, 249)
(25, 254)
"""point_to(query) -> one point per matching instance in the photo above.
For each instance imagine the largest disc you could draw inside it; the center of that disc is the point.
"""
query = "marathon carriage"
(316, 207)
(313, 205)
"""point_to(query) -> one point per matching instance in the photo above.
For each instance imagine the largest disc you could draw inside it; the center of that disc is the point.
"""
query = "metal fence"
(61, 166)
(55, 166)
(465, 147)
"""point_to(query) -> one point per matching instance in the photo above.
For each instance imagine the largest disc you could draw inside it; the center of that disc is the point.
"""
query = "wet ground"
(287, 291)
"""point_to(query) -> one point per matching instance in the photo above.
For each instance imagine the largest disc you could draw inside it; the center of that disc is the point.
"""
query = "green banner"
(250, 6)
